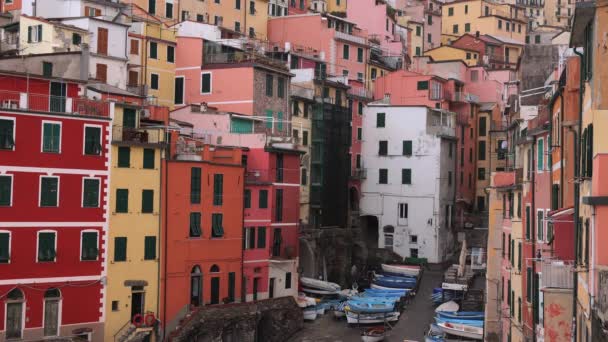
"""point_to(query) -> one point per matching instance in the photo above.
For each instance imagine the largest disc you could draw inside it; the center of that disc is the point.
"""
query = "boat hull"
(461, 315)
(309, 315)
(402, 269)
(462, 330)
(319, 284)
(361, 318)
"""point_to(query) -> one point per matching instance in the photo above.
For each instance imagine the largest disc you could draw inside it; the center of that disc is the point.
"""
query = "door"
(215, 290)
(271, 288)
(256, 285)
(129, 118)
(137, 303)
(276, 244)
(102, 41)
(57, 98)
(14, 320)
(51, 317)
(179, 90)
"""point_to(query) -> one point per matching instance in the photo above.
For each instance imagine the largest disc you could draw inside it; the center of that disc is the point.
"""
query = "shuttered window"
(519, 256)
(90, 193)
(247, 199)
(124, 156)
(149, 156)
(554, 196)
(278, 205)
(150, 248)
(269, 84)
(171, 54)
(46, 247)
(101, 72)
(51, 137)
(529, 281)
(122, 200)
(206, 83)
(195, 224)
(6, 185)
(195, 185)
(102, 41)
(407, 147)
(261, 237)
(153, 50)
(383, 176)
(89, 249)
(231, 286)
(281, 87)
(147, 201)
(406, 176)
(49, 189)
(120, 249)
(528, 223)
(263, 199)
(380, 119)
(217, 225)
(5, 245)
(92, 140)
(7, 141)
(218, 189)
(47, 69)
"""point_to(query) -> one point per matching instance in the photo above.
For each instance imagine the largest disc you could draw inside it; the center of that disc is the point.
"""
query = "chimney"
(387, 97)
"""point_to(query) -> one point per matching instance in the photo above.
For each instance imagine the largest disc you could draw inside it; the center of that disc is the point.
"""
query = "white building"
(410, 156)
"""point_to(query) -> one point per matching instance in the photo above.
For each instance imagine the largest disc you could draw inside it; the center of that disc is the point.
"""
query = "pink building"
(411, 88)
(373, 16)
(427, 12)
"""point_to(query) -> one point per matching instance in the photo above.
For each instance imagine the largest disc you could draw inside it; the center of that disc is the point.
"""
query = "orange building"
(202, 227)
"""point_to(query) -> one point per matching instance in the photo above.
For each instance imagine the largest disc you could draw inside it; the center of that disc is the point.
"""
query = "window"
(154, 81)
(304, 177)
(482, 126)
(346, 51)
(407, 148)
(90, 192)
(122, 200)
(422, 85)
(358, 161)
(466, 9)
(467, 27)
(288, 280)
(418, 51)
(360, 108)
(450, 11)
(152, 6)
(383, 176)
(481, 173)
(406, 176)
(149, 156)
(418, 31)
(195, 185)
(540, 155)
(508, 26)
(263, 200)
(49, 191)
(374, 73)
(7, 134)
(34, 34)
(481, 203)
(540, 231)
(281, 87)
(153, 50)
(218, 189)
(217, 226)
(413, 252)
(429, 19)
(429, 38)
(380, 120)
(51, 137)
(482, 150)
(169, 9)
(171, 54)
(403, 210)
(206, 83)
(388, 241)
(47, 247)
(5, 247)
(124, 156)
(261, 237)
(6, 190)
(519, 204)
(237, 4)
(251, 29)
(269, 84)
(195, 225)
(360, 76)
(47, 69)
(89, 245)
(305, 138)
(279, 205)
(360, 55)
(414, 239)
(134, 47)
(500, 24)
(249, 238)
(92, 140)
(120, 249)
(454, 28)
(359, 133)
(147, 201)
(383, 148)
(247, 199)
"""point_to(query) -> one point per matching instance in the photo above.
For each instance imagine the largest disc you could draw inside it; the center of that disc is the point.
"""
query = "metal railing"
(141, 90)
(138, 135)
(358, 174)
(360, 92)
(557, 274)
(350, 38)
(54, 104)
(242, 57)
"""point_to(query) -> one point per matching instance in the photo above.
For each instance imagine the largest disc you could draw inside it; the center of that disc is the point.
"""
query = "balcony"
(267, 176)
(238, 57)
(54, 104)
(282, 253)
(350, 38)
(141, 90)
(441, 123)
(358, 174)
(138, 136)
(464, 97)
(557, 274)
(9, 43)
(361, 92)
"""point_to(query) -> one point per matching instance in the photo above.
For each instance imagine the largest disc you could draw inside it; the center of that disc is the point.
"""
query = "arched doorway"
(369, 228)
(215, 284)
(196, 286)
(14, 314)
(52, 300)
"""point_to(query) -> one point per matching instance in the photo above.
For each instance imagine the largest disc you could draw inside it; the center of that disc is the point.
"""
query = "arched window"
(196, 285)
(14, 314)
(214, 269)
(52, 299)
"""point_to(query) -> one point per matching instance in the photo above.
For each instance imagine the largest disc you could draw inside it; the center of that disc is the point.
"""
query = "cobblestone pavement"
(412, 324)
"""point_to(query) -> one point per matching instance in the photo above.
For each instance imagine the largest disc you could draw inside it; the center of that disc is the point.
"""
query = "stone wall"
(271, 320)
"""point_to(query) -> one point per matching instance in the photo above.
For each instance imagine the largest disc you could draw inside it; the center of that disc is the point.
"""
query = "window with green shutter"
(422, 85)
(512, 253)
(7, 131)
(263, 199)
(380, 119)
(218, 189)
(281, 87)
(346, 51)
(278, 205)
(217, 226)
(147, 201)
(536, 300)
(47, 69)
(528, 223)
(149, 156)
(540, 155)
(90, 193)
(519, 256)
(519, 309)
(261, 237)
(529, 284)
(120, 249)
(153, 50)
(170, 54)
(76, 39)
(554, 196)
(269, 84)
(51, 137)
(269, 119)
(540, 232)
(406, 176)
(247, 198)
(129, 118)
(195, 185)
(124, 156)
(46, 247)
(206, 83)
(150, 248)
(195, 224)
(231, 286)
(360, 55)
(122, 200)
(6, 188)
(92, 140)
(5, 247)
(89, 250)
(49, 189)
(407, 147)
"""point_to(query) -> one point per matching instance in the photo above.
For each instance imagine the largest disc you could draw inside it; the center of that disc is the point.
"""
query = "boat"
(310, 313)
(408, 270)
(435, 334)
(380, 287)
(476, 315)
(401, 292)
(311, 283)
(450, 306)
(462, 330)
(304, 301)
(320, 310)
(369, 318)
(376, 299)
(370, 306)
(472, 322)
(339, 310)
(393, 284)
(374, 334)
(317, 291)
(390, 274)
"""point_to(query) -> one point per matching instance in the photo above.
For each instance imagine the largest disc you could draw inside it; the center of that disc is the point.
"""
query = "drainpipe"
(577, 171)
(534, 215)
(166, 206)
(160, 257)
(561, 149)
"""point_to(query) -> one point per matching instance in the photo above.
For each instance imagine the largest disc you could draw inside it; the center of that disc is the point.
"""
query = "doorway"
(215, 290)
(137, 300)
(51, 312)
(57, 98)
(271, 288)
(256, 286)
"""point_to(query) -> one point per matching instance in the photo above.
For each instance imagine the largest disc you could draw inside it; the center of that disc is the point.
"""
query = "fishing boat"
(311, 283)
(393, 283)
(472, 322)
(462, 330)
(363, 306)
(450, 306)
(369, 318)
(376, 299)
(310, 313)
(390, 274)
(461, 315)
(395, 292)
(304, 301)
(435, 334)
(374, 334)
(317, 291)
(408, 270)
(380, 287)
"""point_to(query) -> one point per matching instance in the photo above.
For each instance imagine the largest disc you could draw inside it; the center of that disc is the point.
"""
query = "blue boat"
(466, 315)
(471, 322)
(386, 299)
(389, 293)
(371, 306)
(394, 283)
(390, 274)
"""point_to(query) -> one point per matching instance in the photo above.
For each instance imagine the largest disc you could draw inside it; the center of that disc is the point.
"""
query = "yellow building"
(450, 53)
(416, 29)
(491, 134)
(165, 10)
(472, 16)
(133, 243)
(152, 56)
(336, 5)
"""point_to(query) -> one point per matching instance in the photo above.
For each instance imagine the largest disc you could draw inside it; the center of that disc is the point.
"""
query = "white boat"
(373, 334)
(319, 284)
(320, 310)
(450, 306)
(376, 286)
(408, 270)
(317, 291)
(304, 301)
(339, 314)
(309, 314)
(462, 330)
(364, 318)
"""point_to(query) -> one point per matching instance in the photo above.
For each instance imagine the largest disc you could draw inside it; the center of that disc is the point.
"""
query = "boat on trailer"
(462, 330)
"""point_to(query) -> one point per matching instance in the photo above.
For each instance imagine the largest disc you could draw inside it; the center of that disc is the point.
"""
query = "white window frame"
(360, 76)
(402, 221)
(392, 238)
(210, 83)
(14, 120)
(98, 192)
(10, 243)
(10, 201)
(59, 312)
(173, 8)
(53, 122)
(40, 191)
(542, 223)
(183, 89)
(35, 38)
(81, 240)
(84, 136)
(38, 244)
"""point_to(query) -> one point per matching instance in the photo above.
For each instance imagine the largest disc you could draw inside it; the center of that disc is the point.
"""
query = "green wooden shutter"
(122, 200)
(4, 248)
(406, 176)
(120, 249)
(519, 256)
(528, 223)
(46, 246)
(150, 248)
(540, 155)
(5, 190)
(124, 156)
(48, 193)
(529, 284)
(512, 253)
(89, 246)
(247, 198)
(129, 118)
(407, 147)
(263, 199)
(261, 237)
(92, 140)
(149, 156)
(51, 137)
(218, 188)
(195, 224)
(280, 121)
(231, 286)
(147, 201)
(589, 151)
(217, 225)
(269, 119)
(279, 205)
(536, 296)
(90, 196)
(195, 185)
(380, 119)
(554, 196)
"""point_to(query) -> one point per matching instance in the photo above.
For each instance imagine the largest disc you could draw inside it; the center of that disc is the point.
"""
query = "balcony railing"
(281, 252)
(350, 38)
(358, 174)
(55, 104)
(360, 92)
(242, 57)
(464, 97)
(557, 274)
(138, 135)
(141, 90)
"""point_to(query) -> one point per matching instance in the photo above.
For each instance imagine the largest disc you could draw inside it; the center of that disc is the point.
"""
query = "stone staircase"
(131, 333)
